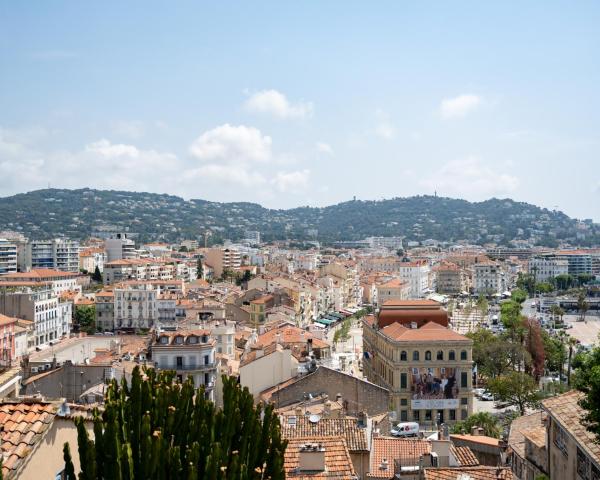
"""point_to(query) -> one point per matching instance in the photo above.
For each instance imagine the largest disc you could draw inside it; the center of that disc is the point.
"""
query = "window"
(403, 381)
(452, 414)
(451, 355)
(403, 416)
(193, 339)
(560, 439)
(428, 355)
(164, 340)
(206, 379)
(583, 464)
(179, 361)
(403, 402)
(179, 340)
(428, 415)
(416, 356)
(417, 415)
(440, 355)
(206, 359)
(463, 414)
(463, 355)
(463, 379)
(464, 401)
(403, 356)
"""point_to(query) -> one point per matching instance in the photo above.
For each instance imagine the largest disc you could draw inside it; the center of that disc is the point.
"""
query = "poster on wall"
(434, 388)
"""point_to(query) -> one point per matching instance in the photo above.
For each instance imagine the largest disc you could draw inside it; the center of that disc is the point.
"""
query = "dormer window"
(178, 340)
(164, 340)
(193, 339)
(204, 339)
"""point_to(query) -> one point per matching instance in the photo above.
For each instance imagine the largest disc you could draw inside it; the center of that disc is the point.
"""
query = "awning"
(324, 321)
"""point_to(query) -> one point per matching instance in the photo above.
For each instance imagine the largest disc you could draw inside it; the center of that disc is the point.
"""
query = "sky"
(304, 103)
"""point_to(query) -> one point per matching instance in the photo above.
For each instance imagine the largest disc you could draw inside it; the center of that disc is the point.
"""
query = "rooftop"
(338, 464)
(355, 436)
(470, 473)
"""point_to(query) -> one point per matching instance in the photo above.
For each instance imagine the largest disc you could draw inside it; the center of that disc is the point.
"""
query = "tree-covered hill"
(80, 213)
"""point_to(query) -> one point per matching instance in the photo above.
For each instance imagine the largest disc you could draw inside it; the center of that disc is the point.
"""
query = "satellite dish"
(314, 418)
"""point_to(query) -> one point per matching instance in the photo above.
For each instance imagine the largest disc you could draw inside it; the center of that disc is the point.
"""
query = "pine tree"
(157, 428)
(69, 473)
(97, 276)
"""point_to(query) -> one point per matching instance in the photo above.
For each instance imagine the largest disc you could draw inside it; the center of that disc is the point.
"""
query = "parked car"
(486, 397)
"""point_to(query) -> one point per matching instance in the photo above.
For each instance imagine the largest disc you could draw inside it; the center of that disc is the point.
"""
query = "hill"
(80, 213)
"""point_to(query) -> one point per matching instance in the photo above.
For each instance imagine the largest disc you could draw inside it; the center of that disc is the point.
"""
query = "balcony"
(186, 368)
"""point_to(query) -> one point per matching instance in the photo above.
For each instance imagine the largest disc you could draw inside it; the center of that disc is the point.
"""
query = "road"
(351, 349)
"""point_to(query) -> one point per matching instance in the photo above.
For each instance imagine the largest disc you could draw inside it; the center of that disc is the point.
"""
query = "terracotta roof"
(4, 320)
(23, 425)
(356, 437)
(565, 409)
(537, 436)
(39, 274)
(429, 332)
(411, 303)
(394, 283)
(518, 427)
(289, 335)
(263, 299)
(464, 456)
(338, 464)
(481, 439)
(408, 451)
(471, 473)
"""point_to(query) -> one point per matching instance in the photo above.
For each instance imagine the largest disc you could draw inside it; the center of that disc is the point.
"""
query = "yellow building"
(426, 367)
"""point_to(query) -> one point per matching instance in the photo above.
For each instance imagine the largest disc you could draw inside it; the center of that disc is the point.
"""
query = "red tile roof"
(23, 425)
(338, 464)
(408, 451)
(472, 473)
(355, 436)
(429, 332)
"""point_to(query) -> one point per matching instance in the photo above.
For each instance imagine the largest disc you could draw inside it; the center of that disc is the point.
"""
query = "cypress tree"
(69, 473)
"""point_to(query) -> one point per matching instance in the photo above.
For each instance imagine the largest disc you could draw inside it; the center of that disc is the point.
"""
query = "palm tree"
(484, 420)
(571, 342)
(582, 305)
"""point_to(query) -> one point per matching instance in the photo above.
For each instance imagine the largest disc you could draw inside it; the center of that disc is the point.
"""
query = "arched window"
(416, 356)
(440, 355)
(463, 355)
(428, 355)
(403, 356)
(451, 355)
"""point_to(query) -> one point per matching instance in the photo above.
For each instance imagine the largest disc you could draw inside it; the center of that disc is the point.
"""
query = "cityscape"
(311, 285)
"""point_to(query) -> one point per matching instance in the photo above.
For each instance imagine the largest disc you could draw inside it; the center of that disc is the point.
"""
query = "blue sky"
(304, 103)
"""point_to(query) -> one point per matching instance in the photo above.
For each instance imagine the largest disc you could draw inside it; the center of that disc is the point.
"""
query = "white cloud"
(232, 144)
(292, 182)
(129, 128)
(275, 103)
(106, 149)
(323, 147)
(460, 106)
(472, 179)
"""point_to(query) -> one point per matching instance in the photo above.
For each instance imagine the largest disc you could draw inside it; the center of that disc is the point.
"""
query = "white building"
(90, 258)
(393, 243)
(488, 278)
(59, 254)
(136, 307)
(417, 275)
(547, 267)
(119, 247)
(188, 353)
(8, 256)
(224, 333)
(264, 368)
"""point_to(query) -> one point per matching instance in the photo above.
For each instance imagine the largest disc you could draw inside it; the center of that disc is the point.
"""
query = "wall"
(46, 460)
(268, 371)
(360, 395)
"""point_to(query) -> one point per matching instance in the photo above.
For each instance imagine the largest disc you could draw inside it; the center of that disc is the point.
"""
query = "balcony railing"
(186, 367)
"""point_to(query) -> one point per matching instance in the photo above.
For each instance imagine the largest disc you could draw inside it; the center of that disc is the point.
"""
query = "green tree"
(85, 319)
(564, 281)
(571, 343)
(158, 428)
(518, 295)
(582, 304)
(544, 287)
(482, 304)
(484, 420)
(587, 380)
(97, 275)
(555, 351)
(69, 473)
(517, 389)
(526, 283)
(199, 269)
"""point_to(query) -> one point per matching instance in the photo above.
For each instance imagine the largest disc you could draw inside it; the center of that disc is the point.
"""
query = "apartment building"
(39, 304)
(188, 353)
(59, 281)
(488, 278)
(136, 307)
(450, 279)
(426, 366)
(221, 259)
(92, 258)
(8, 256)
(148, 270)
(58, 254)
(571, 449)
(344, 276)
(546, 267)
(417, 275)
(580, 261)
(119, 247)
(105, 310)
(394, 289)
(13, 341)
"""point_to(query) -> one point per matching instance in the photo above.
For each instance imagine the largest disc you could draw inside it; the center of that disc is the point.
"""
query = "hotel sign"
(434, 404)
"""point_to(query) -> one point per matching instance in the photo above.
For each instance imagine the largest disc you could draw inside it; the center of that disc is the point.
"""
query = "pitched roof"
(338, 464)
(464, 456)
(39, 274)
(356, 437)
(565, 409)
(472, 473)
(481, 439)
(518, 427)
(408, 450)
(431, 331)
(23, 425)
(289, 335)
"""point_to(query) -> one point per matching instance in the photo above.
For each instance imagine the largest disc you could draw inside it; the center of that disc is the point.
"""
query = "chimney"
(384, 465)
(298, 411)
(311, 458)
(413, 325)
(480, 431)
(474, 430)
(327, 408)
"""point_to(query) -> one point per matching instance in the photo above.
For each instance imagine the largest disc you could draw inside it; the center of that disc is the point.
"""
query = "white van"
(405, 429)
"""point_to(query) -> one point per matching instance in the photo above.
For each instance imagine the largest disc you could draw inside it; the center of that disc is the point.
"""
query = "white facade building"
(188, 353)
(136, 307)
(488, 278)
(547, 267)
(58, 254)
(8, 256)
(417, 275)
(119, 247)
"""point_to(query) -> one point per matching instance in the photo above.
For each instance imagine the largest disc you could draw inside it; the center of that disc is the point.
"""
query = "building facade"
(8, 257)
(546, 267)
(58, 254)
(136, 307)
(488, 278)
